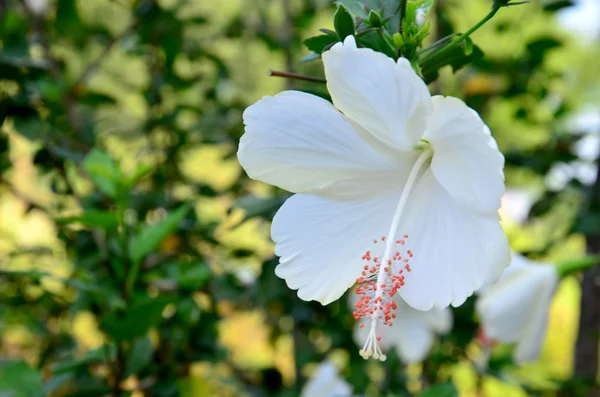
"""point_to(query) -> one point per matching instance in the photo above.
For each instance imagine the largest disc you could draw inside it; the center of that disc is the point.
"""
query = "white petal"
(387, 98)
(455, 250)
(532, 339)
(439, 320)
(326, 382)
(413, 338)
(515, 308)
(300, 142)
(466, 159)
(321, 241)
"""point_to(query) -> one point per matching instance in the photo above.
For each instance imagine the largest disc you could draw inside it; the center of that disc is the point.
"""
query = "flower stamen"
(381, 278)
(378, 284)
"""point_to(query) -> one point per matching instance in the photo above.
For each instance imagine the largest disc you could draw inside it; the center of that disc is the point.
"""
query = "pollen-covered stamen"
(379, 282)
(383, 277)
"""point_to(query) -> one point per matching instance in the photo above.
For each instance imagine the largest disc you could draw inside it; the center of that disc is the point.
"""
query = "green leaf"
(354, 6)
(445, 390)
(32, 128)
(258, 206)
(18, 379)
(97, 99)
(318, 43)
(55, 383)
(375, 41)
(135, 321)
(140, 172)
(389, 10)
(103, 171)
(148, 239)
(94, 219)
(139, 356)
(195, 277)
(68, 23)
(343, 22)
(102, 354)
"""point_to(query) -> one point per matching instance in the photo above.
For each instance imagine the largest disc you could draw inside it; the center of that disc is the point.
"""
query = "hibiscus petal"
(531, 342)
(413, 338)
(439, 320)
(504, 309)
(320, 241)
(300, 143)
(466, 159)
(387, 98)
(515, 309)
(326, 382)
(455, 250)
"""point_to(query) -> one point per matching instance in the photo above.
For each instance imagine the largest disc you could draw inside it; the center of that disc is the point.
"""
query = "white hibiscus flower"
(412, 335)
(326, 382)
(388, 164)
(515, 308)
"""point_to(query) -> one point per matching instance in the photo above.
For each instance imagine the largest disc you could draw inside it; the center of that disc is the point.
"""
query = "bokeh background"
(119, 127)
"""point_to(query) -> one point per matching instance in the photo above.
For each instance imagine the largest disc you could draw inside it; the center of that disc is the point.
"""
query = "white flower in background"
(515, 308)
(413, 333)
(389, 170)
(38, 7)
(516, 204)
(326, 382)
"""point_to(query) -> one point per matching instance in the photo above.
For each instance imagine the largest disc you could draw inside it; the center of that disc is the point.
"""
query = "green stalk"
(577, 265)
(402, 13)
(464, 36)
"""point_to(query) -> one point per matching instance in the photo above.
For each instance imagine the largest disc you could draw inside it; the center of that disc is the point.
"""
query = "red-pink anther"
(376, 292)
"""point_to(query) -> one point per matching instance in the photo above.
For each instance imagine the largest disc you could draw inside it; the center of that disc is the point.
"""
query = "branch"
(288, 75)
(55, 71)
(92, 67)
(465, 35)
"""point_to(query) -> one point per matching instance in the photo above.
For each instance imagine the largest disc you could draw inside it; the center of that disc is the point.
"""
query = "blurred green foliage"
(134, 254)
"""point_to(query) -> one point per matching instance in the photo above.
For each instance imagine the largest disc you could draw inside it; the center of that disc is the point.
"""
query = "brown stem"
(586, 349)
(296, 76)
(118, 370)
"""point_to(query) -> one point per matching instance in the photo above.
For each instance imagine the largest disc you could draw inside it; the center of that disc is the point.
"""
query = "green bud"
(343, 23)
(375, 19)
(398, 40)
(468, 43)
(424, 31)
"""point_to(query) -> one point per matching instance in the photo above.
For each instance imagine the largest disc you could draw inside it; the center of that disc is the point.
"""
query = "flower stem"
(464, 36)
(577, 265)
(296, 76)
(402, 13)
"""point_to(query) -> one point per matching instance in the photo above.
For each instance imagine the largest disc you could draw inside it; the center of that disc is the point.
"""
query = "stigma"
(381, 279)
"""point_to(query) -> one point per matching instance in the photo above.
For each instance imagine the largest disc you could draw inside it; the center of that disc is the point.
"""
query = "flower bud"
(375, 19)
